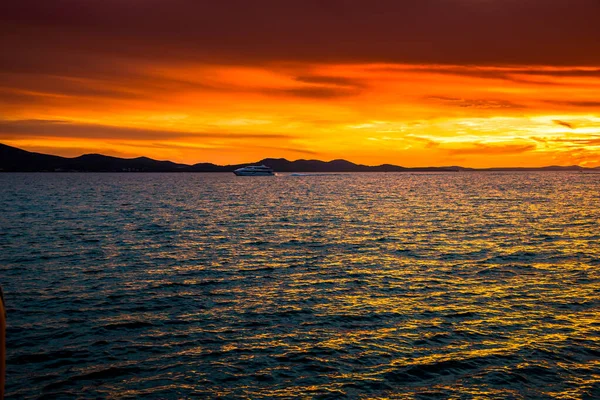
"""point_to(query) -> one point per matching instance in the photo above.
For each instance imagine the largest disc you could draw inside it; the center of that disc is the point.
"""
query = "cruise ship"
(254, 170)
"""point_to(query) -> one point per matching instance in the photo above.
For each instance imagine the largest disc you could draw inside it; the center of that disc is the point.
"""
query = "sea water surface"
(451, 285)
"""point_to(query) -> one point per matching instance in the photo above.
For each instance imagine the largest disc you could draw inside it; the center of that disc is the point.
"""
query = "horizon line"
(309, 159)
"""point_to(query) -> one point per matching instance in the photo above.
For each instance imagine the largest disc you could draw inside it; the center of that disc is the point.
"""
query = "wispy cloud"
(66, 129)
(313, 92)
(563, 123)
(482, 104)
(588, 104)
(491, 149)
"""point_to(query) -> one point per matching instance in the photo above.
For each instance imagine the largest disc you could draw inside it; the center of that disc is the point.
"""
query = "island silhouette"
(13, 159)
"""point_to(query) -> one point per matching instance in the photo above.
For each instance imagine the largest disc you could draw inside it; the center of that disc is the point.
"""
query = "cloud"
(130, 85)
(575, 103)
(313, 92)
(563, 123)
(552, 32)
(429, 143)
(563, 73)
(592, 140)
(66, 129)
(514, 74)
(18, 98)
(231, 147)
(491, 149)
(127, 82)
(68, 86)
(289, 149)
(331, 80)
(325, 87)
(483, 104)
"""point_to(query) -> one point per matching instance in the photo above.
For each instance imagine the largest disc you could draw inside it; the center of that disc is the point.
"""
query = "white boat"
(254, 170)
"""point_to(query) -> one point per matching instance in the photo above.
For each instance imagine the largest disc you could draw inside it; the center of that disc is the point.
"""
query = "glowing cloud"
(223, 82)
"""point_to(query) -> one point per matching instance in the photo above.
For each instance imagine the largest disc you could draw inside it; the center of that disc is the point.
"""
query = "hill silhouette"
(13, 159)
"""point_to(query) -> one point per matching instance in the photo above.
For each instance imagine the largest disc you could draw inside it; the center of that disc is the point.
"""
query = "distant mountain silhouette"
(283, 165)
(13, 159)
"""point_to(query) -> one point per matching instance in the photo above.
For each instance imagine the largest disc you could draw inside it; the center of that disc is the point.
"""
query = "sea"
(470, 285)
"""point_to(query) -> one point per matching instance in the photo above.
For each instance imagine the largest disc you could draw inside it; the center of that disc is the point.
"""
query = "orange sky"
(371, 109)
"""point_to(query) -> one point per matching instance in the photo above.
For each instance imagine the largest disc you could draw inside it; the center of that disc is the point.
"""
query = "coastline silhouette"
(13, 159)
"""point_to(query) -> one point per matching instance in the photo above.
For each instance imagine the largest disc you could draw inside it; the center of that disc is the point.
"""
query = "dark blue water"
(458, 285)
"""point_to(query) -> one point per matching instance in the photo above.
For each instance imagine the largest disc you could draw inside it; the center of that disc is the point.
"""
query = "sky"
(477, 83)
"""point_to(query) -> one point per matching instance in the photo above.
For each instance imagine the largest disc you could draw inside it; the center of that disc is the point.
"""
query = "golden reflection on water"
(370, 285)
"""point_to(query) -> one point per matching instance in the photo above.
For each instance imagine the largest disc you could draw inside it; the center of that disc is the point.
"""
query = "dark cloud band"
(508, 32)
(65, 129)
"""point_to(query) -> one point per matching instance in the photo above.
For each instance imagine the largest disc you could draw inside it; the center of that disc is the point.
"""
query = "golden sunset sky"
(477, 83)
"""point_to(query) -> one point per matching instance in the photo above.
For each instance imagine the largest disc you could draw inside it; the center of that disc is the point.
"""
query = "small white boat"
(254, 170)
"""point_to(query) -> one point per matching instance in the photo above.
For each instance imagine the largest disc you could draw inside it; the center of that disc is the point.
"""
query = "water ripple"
(469, 285)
